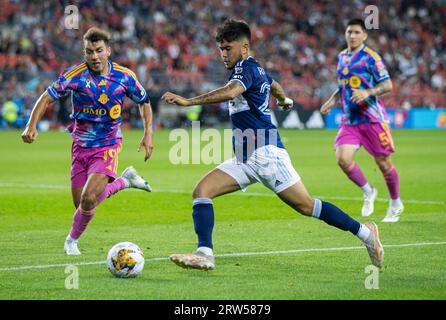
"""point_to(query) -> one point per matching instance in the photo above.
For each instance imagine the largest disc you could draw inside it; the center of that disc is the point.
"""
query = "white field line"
(259, 194)
(239, 254)
(28, 185)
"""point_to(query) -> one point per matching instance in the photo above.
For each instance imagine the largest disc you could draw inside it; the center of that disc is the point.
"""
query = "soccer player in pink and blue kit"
(362, 78)
(98, 88)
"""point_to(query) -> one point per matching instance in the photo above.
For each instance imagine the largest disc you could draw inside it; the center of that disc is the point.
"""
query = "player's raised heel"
(135, 180)
(70, 248)
(369, 203)
(196, 260)
(374, 246)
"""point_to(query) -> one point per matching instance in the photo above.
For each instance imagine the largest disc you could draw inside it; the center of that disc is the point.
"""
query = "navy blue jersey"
(250, 113)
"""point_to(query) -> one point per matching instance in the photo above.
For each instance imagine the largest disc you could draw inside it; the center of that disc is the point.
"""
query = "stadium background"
(170, 45)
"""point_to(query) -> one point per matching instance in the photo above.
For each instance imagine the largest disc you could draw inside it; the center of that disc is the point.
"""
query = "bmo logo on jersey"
(94, 111)
(114, 112)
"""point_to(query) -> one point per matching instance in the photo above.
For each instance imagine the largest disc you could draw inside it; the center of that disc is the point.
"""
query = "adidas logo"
(278, 183)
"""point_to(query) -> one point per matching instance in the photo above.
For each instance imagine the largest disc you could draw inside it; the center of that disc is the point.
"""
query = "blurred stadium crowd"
(170, 45)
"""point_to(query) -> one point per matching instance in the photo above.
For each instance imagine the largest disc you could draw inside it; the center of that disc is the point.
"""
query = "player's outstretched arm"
(30, 132)
(145, 110)
(282, 100)
(231, 90)
(326, 107)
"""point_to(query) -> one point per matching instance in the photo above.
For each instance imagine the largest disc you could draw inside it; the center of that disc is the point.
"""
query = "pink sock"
(80, 222)
(354, 173)
(82, 217)
(111, 189)
(392, 182)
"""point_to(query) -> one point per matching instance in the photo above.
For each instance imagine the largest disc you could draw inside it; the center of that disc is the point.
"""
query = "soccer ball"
(125, 260)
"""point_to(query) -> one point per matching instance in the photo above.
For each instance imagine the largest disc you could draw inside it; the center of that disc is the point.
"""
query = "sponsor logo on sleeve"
(379, 65)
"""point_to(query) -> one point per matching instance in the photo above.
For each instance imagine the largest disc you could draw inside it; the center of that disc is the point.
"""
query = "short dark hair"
(95, 34)
(357, 22)
(233, 30)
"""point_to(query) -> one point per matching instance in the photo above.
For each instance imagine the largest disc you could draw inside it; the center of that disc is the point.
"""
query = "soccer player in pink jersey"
(362, 78)
(97, 87)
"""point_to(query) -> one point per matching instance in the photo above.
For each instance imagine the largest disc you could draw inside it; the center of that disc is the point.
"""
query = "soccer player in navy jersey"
(259, 153)
(362, 78)
(97, 87)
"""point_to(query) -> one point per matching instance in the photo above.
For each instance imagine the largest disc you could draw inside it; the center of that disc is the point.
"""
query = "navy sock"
(203, 214)
(334, 216)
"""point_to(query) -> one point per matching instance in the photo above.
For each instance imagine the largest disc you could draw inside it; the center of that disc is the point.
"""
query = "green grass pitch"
(36, 213)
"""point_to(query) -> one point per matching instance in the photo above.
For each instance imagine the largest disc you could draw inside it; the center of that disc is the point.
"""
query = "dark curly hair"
(233, 30)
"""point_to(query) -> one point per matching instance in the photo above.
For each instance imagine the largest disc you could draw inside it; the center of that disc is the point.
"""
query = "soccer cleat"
(70, 248)
(393, 213)
(369, 203)
(374, 246)
(196, 260)
(135, 180)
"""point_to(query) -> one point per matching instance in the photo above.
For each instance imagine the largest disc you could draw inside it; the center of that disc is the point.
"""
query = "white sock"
(367, 188)
(363, 233)
(207, 251)
(396, 202)
(69, 239)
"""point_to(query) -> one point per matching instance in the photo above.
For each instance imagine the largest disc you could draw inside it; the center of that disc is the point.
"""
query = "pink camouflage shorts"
(85, 161)
(375, 137)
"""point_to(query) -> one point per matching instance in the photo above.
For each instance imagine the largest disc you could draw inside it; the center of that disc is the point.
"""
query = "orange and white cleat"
(374, 246)
(196, 260)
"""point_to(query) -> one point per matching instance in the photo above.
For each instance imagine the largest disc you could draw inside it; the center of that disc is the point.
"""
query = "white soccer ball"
(125, 260)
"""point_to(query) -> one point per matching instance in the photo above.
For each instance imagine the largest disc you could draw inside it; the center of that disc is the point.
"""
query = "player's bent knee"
(201, 192)
(383, 163)
(343, 162)
(88, 201)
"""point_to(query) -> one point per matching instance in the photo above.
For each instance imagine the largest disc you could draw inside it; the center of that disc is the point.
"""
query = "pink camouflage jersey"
(363, 69)
(97, 102)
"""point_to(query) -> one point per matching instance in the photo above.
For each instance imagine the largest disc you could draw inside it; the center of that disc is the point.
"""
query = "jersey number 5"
(386, 140)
